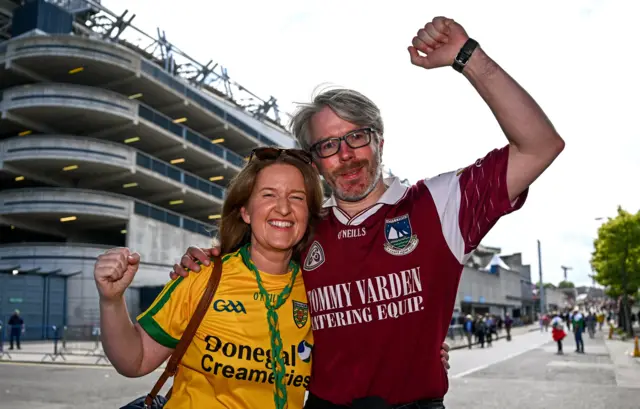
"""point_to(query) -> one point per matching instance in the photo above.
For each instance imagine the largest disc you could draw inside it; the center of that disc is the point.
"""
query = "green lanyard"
(279, 370)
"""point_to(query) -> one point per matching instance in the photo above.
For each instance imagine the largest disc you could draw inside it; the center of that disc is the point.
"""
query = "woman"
(244, 354)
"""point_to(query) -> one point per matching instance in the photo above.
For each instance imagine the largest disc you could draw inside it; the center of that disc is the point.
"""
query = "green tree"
(546, 285)
(566, 284)
(616, 255)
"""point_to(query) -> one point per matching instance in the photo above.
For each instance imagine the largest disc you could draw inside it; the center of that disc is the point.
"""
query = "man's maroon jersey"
(382, 285)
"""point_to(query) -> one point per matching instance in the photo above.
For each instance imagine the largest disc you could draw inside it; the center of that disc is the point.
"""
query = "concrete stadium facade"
(101, 146)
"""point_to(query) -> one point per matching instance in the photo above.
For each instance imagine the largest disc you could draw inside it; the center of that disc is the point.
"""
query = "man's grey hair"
(348, 104)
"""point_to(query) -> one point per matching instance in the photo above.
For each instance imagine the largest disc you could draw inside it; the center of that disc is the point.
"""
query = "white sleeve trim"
(445, 191)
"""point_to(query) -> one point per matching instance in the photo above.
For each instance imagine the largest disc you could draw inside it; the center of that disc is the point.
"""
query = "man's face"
(351, 173)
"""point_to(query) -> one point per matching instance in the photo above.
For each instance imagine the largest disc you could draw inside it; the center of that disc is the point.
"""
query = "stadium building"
(108, 142)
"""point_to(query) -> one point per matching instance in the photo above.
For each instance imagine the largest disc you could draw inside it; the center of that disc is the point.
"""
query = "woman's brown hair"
(235, 233)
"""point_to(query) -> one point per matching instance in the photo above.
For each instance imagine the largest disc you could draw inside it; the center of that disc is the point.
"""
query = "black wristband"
(465, 53)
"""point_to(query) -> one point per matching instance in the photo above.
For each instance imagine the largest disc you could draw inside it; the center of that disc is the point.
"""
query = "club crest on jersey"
(300, 313)
(399, 236)
(315, 257)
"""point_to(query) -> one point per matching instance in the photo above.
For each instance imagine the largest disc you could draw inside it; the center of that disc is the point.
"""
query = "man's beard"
(373, 174)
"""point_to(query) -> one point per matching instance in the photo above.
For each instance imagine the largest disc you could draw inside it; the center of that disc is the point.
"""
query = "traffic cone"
(636, 349)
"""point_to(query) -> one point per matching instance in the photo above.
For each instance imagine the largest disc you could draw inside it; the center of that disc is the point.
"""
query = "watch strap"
(465, 53)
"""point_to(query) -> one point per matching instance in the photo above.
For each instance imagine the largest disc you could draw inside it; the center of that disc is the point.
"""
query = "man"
(577, 321)
(508, 323)
(468, 330)
(16, 325)
(383, 269)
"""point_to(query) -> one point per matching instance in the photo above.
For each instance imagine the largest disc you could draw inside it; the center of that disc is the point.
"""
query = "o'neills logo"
(293, 356)
(352, 233)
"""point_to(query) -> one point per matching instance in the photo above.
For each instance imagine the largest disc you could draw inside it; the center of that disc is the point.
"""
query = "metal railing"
(177, 174)
(174, 219)
(190, 135)
(56, 343)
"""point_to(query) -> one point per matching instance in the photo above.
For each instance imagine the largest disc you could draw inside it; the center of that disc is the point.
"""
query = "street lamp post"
(564, 270)
(541, 288)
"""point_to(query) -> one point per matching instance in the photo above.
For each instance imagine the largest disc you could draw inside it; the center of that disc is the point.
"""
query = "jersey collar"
(395, 191)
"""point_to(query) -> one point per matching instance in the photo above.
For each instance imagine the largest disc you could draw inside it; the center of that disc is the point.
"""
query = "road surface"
(528, 374)
(524, 374)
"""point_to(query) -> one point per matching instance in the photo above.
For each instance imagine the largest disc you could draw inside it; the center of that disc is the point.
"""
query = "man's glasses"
(331, 146)
(267, 153)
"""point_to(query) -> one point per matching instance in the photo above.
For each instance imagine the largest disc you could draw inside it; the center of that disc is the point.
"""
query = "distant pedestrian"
(499, 325)
(558, 334)
(578, 329)
(481, 329)
(567, 320)
(468, 329)
(591, 324)
(16, 328)
(600, 318)
(488, 326)
(508, 323)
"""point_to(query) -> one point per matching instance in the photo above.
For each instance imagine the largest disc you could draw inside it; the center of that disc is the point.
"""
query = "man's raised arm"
(533, 141)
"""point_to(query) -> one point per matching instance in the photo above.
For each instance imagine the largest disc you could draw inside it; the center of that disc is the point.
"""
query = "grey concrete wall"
(160, 245)
(73, 47)
(555, 297)
(48, 147)
(493, 288)
(43, 200)
(68, 95)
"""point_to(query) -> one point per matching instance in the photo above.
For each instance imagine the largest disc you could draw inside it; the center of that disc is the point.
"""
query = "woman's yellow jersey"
(229, 362)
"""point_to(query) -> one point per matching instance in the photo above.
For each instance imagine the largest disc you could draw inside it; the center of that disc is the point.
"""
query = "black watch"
(465, 53)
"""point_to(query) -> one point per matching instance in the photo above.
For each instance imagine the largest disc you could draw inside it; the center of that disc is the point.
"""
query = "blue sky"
(576, 58)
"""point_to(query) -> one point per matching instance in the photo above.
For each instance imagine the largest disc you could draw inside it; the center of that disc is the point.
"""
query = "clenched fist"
(437, 44)
(114, 271)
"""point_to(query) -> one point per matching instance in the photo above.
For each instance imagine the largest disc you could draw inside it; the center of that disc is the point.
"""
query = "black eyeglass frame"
(271, 153)
(369, 131)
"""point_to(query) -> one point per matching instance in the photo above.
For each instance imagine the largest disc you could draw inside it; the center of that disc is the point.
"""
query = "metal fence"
(59, 343)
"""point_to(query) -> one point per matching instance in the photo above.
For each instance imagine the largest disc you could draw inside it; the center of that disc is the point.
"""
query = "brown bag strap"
(189, 332)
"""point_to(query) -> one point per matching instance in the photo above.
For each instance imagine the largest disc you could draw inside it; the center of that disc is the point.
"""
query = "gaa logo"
(229, 306)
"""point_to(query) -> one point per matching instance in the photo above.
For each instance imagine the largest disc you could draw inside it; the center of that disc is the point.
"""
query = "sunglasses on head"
(268, 153)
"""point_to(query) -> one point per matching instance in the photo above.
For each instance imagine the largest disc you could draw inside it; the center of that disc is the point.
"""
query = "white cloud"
(577, 58)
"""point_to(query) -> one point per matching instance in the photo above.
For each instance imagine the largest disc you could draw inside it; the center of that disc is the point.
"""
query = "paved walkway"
(91, 353)
(626, 367)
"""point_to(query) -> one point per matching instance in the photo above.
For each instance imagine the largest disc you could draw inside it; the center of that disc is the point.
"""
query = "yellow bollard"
(636, 349)
(610, 331)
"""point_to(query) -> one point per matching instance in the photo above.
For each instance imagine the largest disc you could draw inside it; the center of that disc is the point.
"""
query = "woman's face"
(277, 210)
